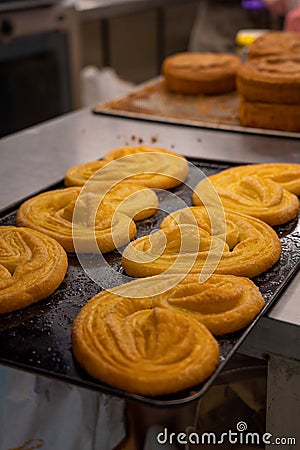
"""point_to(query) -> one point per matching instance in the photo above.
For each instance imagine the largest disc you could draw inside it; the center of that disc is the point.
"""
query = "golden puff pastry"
(89, 230)
(223, 303)
(80, 174)
(152, 166)
(248, 248)
(32, 266)
(130, 198)
(133, 345)
(264, 191)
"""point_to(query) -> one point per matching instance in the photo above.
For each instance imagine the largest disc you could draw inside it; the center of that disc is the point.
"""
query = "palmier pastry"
(258, 190)
(79, 175)
(274, 43)
(136, 346)
(249, 247)
(200, 73)
(154, 167)
(53, 214)
(273, 79)
(32, 266)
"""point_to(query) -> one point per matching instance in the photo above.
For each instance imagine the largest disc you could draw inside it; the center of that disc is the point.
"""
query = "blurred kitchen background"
(57, 56)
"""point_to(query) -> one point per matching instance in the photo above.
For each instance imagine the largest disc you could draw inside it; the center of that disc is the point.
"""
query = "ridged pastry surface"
(248, 248)
(152, 166)
(200, 73)
(265, 191)
(52, 213)
(137, 345)
(32, 266)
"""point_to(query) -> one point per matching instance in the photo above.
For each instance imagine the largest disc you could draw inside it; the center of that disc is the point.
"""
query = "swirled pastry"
(200, 73)
(32, 266)
(80, 174)
(92, 228)
(263, 191)
(154, 167)
(136, 346)
(248, 248)
(274, 43)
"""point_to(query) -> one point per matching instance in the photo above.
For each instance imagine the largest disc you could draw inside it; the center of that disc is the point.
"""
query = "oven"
(39, 62)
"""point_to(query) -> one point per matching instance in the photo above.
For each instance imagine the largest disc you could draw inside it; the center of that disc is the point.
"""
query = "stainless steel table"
(39, 157)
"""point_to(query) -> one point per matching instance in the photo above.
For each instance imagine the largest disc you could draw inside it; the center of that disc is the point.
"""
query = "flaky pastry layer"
(32, 266)
(141, 345)
(264, 191)
(89, 229)
(152, 166)
(248, 247)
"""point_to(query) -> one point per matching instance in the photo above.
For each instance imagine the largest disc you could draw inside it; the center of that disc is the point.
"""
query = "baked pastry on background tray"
(274, 43)
(264, 191)
(32, 266)
(269, 89)
(275, 116)
(200, 73)
(74, 217)
(139, 344)
(152, 166)
(272, 79)
(188, 243)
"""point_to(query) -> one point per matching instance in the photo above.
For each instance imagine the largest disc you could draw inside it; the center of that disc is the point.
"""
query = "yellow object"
(246, 37)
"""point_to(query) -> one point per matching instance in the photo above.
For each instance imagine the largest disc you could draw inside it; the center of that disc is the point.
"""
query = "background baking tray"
(38, 338)
(152, 101)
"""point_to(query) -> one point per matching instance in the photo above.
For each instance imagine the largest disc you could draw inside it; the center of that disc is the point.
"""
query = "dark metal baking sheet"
(152, 101)
(38, 338)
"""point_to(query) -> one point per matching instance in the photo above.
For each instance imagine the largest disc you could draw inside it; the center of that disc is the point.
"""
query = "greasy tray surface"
(152, 101)
(38, 338)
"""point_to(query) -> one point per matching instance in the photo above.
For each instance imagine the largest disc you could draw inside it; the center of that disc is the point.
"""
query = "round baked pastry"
(154, 167)
(223, 303)
(258, 190)
(133, 345)
(93, 228)
(200, 73)
(80, 174)
(272, 79)
(273, 116)
(274, 43)
(249, 247)
(32, 266)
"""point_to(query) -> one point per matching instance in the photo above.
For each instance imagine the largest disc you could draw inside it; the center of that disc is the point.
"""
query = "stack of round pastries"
(269, 83)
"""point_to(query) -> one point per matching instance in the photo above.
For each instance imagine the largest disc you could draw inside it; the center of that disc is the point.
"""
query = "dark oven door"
(34, 80)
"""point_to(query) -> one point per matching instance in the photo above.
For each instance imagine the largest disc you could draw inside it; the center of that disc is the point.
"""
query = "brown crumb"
(133, 137)
(141, 140)
(172, 145)
(154, 139)
(199, 140)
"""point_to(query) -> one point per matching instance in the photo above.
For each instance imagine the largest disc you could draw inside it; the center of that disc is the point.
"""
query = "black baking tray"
(38, 338)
